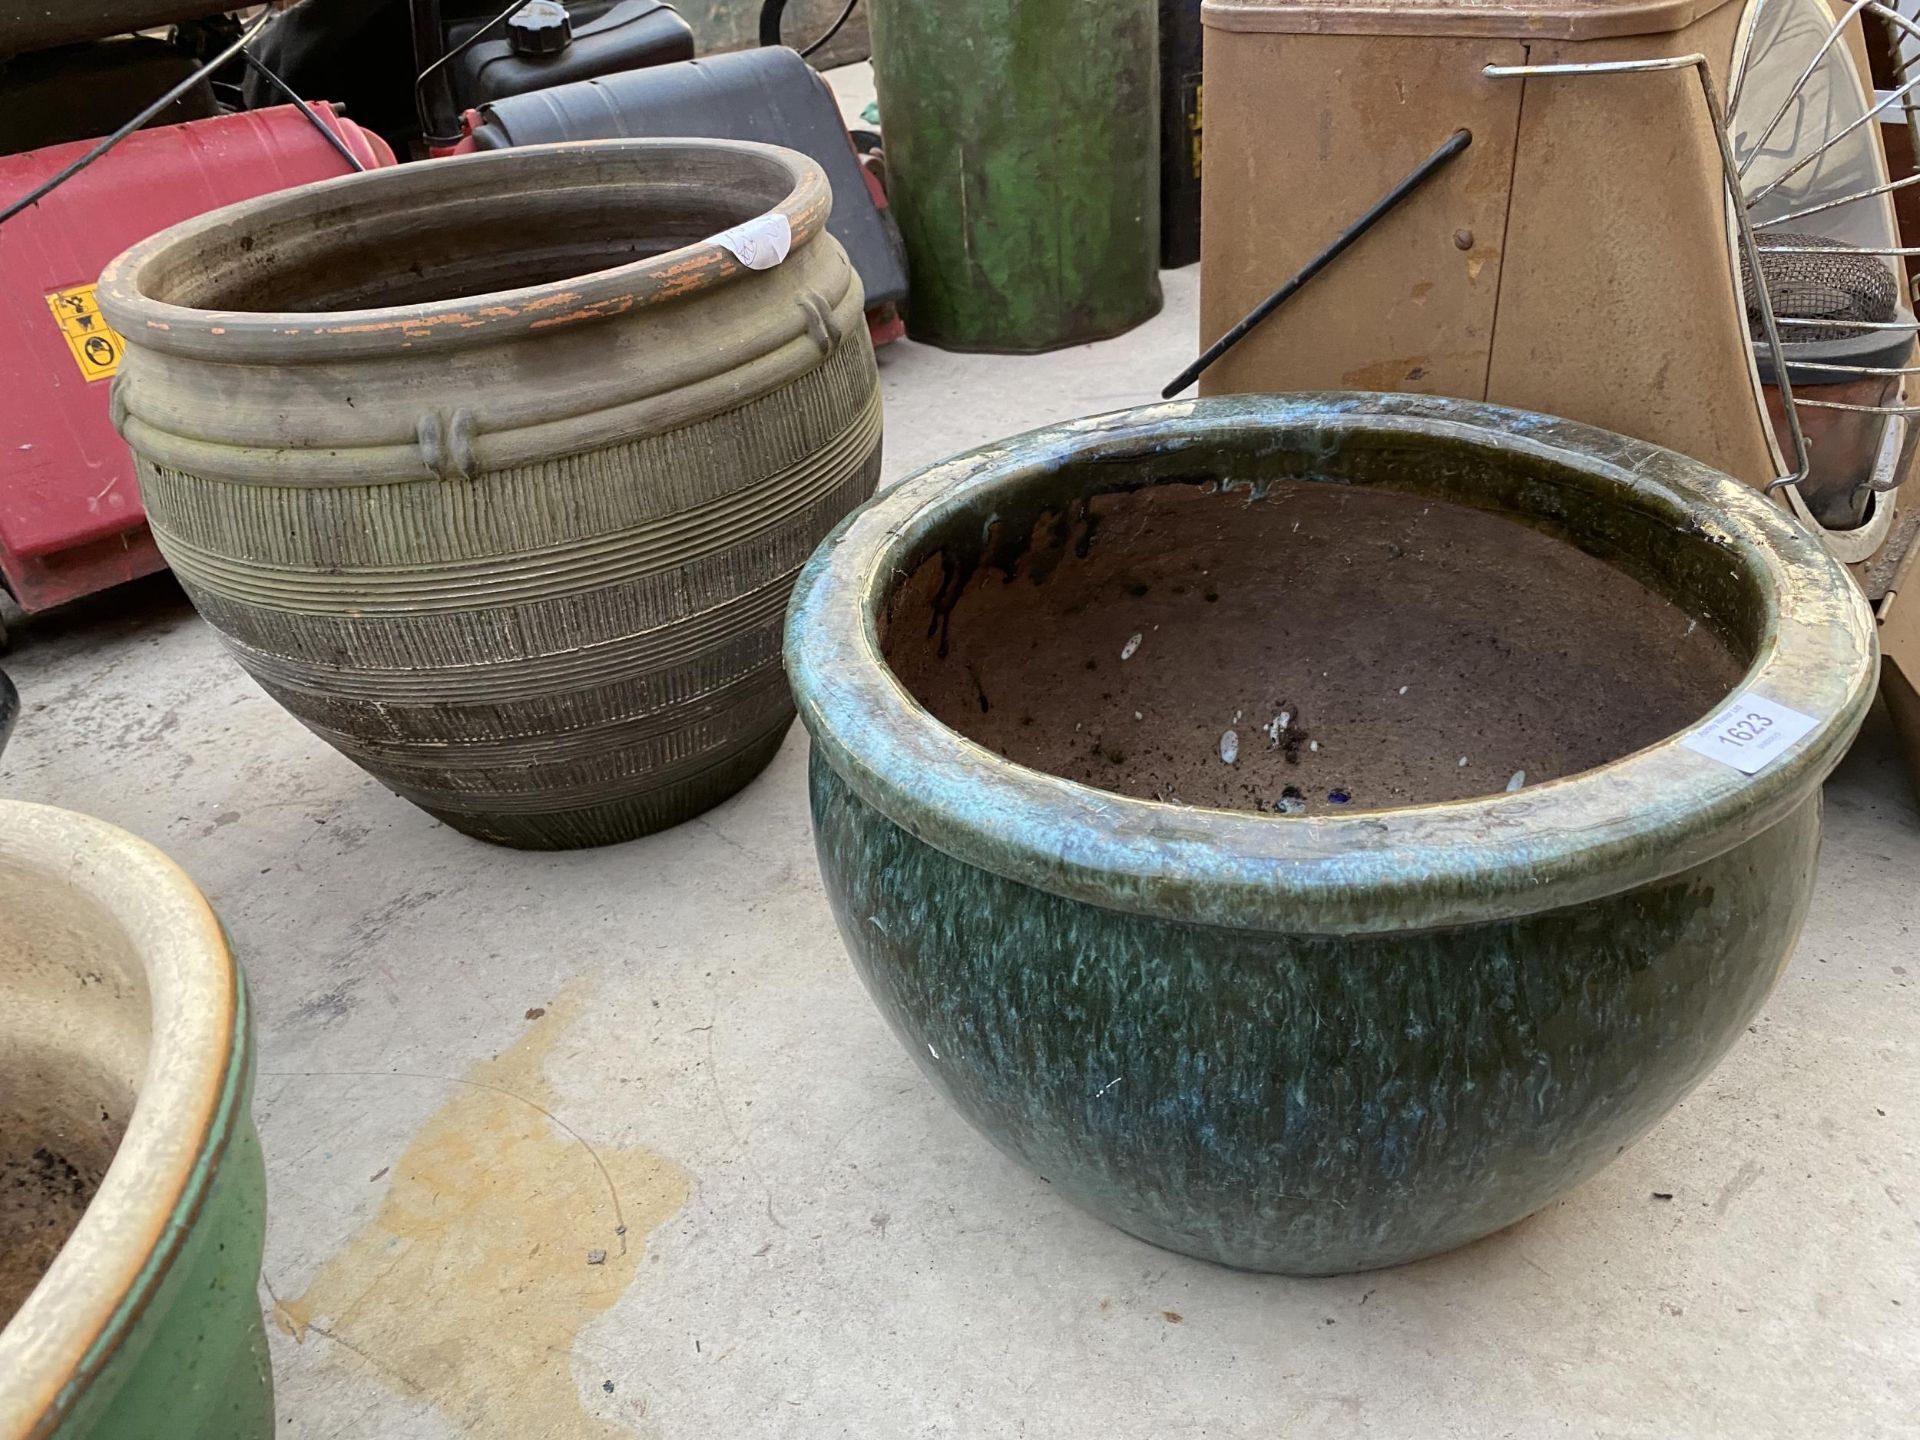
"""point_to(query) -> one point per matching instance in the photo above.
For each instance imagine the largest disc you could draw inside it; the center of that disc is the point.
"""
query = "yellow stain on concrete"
(470, 1284)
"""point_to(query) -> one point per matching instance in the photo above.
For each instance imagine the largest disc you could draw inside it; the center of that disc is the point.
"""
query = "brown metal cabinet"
(1559, 264)
(1584, 255)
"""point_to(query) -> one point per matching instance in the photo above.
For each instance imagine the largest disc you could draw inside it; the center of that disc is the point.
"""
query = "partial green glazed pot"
(1310, 1027)
(126, 1075)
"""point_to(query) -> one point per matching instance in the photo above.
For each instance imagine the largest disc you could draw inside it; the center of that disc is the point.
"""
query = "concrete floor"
(814, 1245)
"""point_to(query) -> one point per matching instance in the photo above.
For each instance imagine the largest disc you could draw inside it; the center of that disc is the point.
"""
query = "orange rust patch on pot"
(500, 1237)
(374, 327)
(677, 285)
(549, 302)
(592, 312)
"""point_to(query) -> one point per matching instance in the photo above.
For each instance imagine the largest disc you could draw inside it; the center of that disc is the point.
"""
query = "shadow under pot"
(132, 1194)
(496, 472)
(1316, 832)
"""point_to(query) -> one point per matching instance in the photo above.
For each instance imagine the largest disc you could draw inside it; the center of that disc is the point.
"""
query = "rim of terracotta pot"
(1637, 819)
(132, 288)
(99, 1285)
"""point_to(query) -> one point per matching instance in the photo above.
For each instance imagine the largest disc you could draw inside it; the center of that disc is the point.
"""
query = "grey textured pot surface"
(497, 472)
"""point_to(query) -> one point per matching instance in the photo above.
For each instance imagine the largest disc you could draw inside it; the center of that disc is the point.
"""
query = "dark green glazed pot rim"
(1633, 821)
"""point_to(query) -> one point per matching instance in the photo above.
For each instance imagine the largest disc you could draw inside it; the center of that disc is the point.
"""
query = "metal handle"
(1730, 176)
(1374, 213)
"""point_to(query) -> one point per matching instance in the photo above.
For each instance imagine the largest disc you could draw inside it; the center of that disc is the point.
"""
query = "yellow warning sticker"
(96, 346)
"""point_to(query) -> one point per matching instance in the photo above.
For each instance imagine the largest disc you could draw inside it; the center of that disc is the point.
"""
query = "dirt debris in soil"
(1321, 649)
(44, 1191)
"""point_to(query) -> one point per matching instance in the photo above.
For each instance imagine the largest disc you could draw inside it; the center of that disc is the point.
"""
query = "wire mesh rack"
(1813, 222)
(1811, 175)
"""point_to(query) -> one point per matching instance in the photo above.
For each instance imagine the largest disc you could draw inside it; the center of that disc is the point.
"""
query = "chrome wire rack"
(1803, 159)
(1812, 177)
(1812, 217)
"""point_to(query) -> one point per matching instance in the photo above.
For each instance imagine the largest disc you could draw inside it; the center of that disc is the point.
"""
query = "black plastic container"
(1180, 112)
(598, 40)
(770, 95)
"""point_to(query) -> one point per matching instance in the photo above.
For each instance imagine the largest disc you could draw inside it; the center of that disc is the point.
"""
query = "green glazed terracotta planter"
(1309, 1027)
(126, 1074)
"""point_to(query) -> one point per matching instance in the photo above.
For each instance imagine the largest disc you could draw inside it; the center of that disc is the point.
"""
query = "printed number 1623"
(1750, 727)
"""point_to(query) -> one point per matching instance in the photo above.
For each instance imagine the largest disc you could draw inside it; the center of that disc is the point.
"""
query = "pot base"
(612, 822)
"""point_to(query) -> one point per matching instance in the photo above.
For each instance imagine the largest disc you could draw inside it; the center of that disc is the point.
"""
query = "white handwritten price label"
(1750, 734)
(761, 243)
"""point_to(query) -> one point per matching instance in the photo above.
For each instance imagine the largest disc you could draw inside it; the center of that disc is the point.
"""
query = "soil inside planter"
(1323, 648)
(48, 1176)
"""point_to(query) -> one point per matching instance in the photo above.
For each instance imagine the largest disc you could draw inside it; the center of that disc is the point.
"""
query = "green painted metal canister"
(1022, 142)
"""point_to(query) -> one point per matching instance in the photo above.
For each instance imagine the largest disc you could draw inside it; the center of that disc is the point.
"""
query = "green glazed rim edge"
(1633, 821)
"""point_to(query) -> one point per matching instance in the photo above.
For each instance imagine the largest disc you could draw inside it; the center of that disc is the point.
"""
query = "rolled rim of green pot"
(1637, 819)
(120, 1253)
(152, 292)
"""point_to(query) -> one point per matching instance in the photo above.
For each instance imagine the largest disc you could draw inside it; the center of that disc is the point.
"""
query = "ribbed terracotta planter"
(496, 472)
(126, 1077)
(1403, 1005)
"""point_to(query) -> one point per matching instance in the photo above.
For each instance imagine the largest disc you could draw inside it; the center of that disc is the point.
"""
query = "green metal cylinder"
(1022, 141)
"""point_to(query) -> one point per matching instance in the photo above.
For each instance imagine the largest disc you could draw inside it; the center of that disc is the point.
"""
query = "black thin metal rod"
(326, 131)
(1381, 208)
(54, 182)
(420, 80)
(832, 30)
(771, 12)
